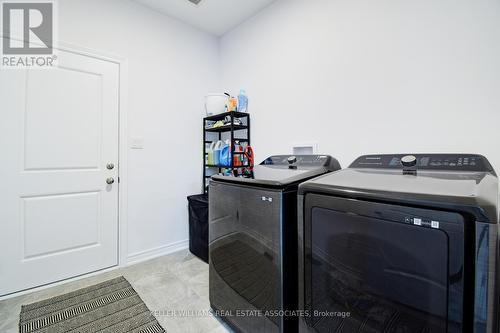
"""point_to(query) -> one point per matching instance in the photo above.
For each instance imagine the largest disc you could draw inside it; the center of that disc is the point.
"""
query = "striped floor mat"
(110, 306)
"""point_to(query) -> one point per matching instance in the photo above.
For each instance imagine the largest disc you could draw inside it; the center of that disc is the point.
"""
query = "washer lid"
(456, 187)
(284, 170)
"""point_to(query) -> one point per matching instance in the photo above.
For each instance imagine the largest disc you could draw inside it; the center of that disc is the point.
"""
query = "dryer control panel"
(448, 162)
(299, 160)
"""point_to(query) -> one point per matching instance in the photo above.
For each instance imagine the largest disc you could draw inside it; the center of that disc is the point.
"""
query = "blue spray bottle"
(242, 101)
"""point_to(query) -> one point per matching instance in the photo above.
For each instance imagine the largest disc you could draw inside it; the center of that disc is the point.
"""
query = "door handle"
(110, 180)
(110, 166)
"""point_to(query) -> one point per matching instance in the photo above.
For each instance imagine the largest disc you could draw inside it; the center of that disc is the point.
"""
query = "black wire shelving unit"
(235, 133)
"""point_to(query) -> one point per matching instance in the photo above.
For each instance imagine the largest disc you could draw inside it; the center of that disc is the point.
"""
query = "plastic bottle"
(232, 104)
(236, 159)
(210, 154)
(216, 152)
(225, 155)
(242, 101)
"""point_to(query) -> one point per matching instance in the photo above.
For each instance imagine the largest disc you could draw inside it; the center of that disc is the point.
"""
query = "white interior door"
(58, 132)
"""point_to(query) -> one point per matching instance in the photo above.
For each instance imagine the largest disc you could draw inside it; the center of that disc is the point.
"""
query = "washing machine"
(253, 242)
(400, 243)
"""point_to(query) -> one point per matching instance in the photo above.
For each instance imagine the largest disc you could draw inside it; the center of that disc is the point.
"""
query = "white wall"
(357, 76)
(171, 67)
(363, 76)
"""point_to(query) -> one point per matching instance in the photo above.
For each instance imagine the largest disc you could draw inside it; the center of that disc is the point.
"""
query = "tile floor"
(176, 282)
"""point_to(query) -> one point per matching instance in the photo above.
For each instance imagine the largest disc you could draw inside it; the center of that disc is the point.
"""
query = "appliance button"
(409, 161)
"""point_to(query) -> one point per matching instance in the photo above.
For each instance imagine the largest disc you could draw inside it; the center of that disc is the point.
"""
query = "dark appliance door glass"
(382, 268)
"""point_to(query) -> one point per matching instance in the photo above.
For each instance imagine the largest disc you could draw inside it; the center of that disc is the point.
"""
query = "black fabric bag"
(198, 225)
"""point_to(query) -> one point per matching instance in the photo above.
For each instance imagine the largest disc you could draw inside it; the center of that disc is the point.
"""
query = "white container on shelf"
(215, 103)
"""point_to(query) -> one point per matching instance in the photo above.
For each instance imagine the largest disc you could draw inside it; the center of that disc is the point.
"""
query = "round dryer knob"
(409, 161)
(292, 159)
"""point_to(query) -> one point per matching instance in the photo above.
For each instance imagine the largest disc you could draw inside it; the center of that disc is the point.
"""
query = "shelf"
(235, 139)
(221, 116)
(226, 128)
(238, 133)
(226, 167)
(235, 153)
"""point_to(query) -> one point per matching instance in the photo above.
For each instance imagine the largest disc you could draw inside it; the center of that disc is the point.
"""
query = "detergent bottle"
(242, 101)
(210, 154)
(216, 154)
(225, 155)
(232, 104)
(237, 157)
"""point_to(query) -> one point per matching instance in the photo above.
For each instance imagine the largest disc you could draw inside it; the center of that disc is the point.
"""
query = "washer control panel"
(449, 162)
(299, 160)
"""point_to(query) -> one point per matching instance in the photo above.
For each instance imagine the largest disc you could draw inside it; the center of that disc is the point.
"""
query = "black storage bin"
(198, 225)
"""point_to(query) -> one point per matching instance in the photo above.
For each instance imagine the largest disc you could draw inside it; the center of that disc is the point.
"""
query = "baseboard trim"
(131, 259)
(159, 251)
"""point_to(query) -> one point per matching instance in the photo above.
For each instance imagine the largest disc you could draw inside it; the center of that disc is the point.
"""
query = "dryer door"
(373, 267)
